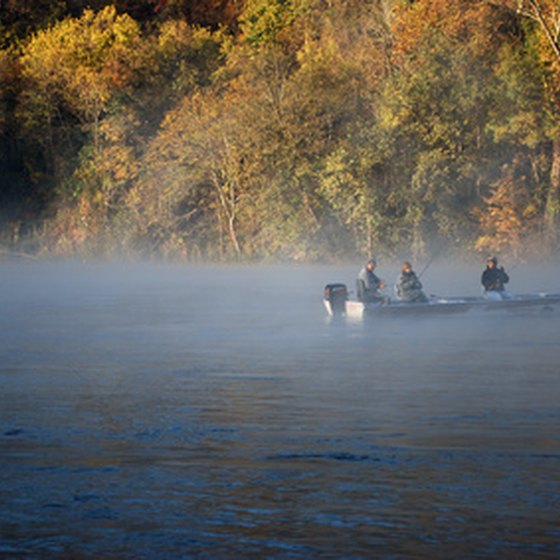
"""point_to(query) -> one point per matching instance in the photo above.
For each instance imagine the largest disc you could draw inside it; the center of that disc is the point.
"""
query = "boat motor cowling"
(336, 296)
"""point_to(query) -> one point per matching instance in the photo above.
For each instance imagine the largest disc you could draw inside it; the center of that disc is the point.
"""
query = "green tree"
(528, 108)
(436, 106)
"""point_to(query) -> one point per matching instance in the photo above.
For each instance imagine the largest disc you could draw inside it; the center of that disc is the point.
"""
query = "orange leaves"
(506, 215)
(470, 23)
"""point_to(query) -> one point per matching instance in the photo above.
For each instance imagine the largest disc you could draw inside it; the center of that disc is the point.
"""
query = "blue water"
(152, 411)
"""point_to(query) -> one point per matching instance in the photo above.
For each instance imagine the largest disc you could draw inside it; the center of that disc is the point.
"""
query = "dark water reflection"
(205, 412)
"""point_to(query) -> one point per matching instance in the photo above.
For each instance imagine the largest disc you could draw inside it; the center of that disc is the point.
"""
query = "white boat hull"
(357, 310)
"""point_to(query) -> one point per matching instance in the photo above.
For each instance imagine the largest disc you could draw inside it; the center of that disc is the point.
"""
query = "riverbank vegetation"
(279, 129)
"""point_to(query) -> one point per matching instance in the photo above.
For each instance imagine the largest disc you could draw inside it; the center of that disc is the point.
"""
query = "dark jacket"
(409, 288)
(493, 279)
(368, 285)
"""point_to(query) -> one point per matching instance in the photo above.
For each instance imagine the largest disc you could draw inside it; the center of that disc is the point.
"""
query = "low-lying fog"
(172, 411)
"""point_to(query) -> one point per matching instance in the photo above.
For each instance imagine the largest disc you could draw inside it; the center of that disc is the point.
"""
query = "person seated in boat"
(493, 279)
(408, 287)
(369, 284)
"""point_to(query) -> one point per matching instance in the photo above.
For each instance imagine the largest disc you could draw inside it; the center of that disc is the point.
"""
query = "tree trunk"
(551, 36)
(228, 207)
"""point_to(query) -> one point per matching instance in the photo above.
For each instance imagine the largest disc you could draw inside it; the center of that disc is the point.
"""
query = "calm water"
(204, 412)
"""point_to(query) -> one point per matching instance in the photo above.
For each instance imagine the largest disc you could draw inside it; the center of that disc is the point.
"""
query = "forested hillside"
(279, 129)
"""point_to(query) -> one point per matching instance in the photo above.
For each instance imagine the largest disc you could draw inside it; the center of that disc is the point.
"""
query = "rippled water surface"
(165, 412)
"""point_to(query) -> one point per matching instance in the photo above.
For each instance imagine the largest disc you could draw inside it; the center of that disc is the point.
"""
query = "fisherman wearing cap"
(493, 280)
(369, 284)
(408, 288)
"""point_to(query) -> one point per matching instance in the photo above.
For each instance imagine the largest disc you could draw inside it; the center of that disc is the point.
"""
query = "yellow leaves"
(530, 211)
(173, 34)
(314, 53)
(118, 163)
(84, 60)
(473, 25)
(486, 243)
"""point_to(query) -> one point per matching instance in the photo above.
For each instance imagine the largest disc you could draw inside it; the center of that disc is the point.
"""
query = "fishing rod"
(429, 263)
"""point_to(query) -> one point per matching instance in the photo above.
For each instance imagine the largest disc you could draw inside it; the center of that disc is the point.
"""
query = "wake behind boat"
(339, 304)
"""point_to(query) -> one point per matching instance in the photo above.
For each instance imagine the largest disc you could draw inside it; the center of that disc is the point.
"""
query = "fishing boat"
(339, 304)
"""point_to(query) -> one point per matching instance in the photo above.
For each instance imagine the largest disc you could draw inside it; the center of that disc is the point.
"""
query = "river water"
(154, 411)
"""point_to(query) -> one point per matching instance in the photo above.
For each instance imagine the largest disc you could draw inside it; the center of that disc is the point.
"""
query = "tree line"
(279, 129)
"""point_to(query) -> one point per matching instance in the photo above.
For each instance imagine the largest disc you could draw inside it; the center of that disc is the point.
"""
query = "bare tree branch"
(534, 10)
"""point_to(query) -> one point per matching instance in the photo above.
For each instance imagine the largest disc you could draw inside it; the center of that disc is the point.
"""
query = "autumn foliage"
(280, 129)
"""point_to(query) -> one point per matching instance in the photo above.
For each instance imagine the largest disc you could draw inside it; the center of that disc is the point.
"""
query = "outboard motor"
(336, 296)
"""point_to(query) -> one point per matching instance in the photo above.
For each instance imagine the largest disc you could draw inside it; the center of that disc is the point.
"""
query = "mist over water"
(153, 411)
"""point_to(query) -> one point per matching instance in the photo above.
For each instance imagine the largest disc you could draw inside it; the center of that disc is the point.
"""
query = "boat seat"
(360, 289)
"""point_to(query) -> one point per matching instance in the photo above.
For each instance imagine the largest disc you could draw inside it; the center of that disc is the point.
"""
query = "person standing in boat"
(369, 284)
(408, 287)
(493, 279)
